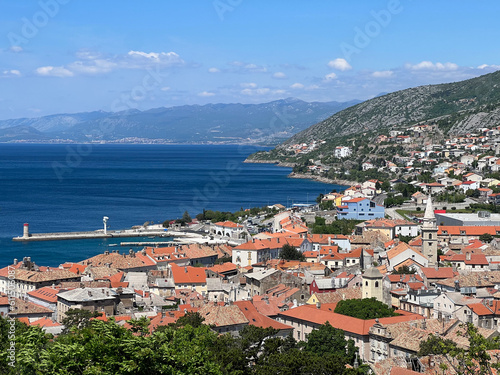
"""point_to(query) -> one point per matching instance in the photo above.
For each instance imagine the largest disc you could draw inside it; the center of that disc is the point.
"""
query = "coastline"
(303, 176)
(325, 180)
(273, 161)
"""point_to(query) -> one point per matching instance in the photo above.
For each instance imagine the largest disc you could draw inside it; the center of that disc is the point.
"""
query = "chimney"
(106, 252)
(162, 313)
(467, 256)
(329, 241)
(15, 261)
(318, 305)
(185, 269)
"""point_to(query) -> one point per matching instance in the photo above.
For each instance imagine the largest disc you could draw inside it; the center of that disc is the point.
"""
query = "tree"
(140, 325)
(328, 339)
(366, 308)
(194, 319)
(486, 237)
(288, 252)
(474, 360)
(78, 318)
(404, 270)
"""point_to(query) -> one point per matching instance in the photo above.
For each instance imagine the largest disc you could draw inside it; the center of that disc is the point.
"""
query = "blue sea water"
(56, 187)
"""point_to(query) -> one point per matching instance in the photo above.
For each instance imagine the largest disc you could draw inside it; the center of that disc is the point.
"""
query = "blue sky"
(70, 56)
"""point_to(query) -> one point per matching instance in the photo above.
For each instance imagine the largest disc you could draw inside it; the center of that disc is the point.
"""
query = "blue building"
(360, 209)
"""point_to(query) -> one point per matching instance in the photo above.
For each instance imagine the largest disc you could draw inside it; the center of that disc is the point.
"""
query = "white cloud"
(297, 86)
(92, 67)
(16, 49)
(206, 94)
(137, 59)
(252, 92)
(236, 63)
(250, 85)
(340, 64)
(166, 88)
(382, 74)
(279, 91)
(313, 87)
(429, 65)
(213, 70)
(54, 71)
(330, 77)
(242, 67)
(486, 66)
(279, 75)
(11, 73)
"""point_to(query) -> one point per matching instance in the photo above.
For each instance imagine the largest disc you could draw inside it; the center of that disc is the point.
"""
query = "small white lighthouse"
(26, 230)
(105, 222)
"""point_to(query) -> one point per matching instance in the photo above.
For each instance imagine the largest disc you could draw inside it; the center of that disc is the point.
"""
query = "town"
(425, 244)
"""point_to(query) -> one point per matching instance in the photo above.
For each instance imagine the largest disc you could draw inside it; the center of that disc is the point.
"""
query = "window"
(376, 284)
(430, 236)
(366, 283)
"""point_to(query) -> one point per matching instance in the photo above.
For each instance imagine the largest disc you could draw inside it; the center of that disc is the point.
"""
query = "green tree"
(366, 308)
(404, 270)
(78, 318)
(486, 237)
(288, 252)
(474, 360)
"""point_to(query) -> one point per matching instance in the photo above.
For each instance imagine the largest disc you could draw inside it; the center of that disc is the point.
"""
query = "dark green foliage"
(405, 239)
(450, 197)
(366, 308)
(471, 361)
(105, 348)
(331, 340)
(486, 237)
(343, 226)
(403, 270)
(216, 216)
(78, 318)
(194, 319)
(288, 252)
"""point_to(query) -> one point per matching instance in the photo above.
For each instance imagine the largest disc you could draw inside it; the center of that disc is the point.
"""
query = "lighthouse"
(26, 230)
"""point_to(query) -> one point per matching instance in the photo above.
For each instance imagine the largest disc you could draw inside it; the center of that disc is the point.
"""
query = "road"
(391, 212)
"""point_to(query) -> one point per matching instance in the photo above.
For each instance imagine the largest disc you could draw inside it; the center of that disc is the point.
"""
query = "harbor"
(150, 232)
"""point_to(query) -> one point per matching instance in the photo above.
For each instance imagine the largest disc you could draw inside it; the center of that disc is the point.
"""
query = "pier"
(91, 234)
(156, 231)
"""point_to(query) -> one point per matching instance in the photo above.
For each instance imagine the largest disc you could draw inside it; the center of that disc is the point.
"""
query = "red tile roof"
(228, 224)
(440, 273)
(257, 319)
(188, 275)
(47, 294)
(468, 230)
(310, 313)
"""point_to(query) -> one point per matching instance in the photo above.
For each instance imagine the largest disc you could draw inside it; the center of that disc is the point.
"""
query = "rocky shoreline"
(322, 179)
(277, 162)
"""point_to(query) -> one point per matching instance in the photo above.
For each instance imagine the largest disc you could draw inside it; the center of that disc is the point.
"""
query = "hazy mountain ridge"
(461, 106)
(265, 123)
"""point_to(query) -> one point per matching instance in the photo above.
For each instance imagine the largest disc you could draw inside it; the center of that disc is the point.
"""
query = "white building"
(342, 152)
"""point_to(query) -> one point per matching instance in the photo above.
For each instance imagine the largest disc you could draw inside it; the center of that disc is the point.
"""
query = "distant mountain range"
(457, 108)
(267, 123)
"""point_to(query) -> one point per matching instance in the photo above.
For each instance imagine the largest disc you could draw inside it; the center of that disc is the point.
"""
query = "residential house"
(447, 304)
(360, 209)
(103, 300)
(400, 255)
(193, 278)
(342, 152)
(305, 318)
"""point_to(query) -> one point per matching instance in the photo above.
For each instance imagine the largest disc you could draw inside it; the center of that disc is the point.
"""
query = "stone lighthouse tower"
(429, 234)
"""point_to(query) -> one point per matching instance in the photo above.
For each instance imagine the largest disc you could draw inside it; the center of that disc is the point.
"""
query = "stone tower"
(429, 234)
(372, 284)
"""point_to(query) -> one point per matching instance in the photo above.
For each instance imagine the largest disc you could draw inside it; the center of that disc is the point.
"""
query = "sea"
(70, 187)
